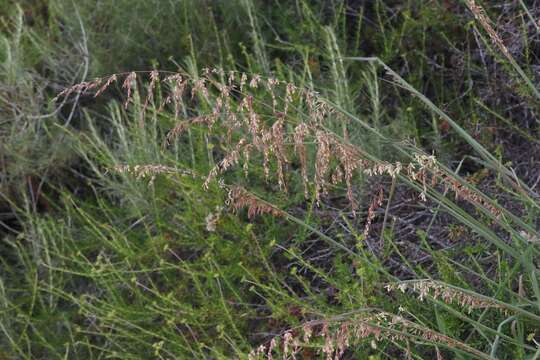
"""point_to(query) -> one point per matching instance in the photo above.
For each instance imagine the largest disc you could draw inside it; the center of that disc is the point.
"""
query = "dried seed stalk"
(322, 162)
(481, 16)
(154, 78)
(375, 204)
(149, 171)
(338, 335)
(437, 290)
(109, 82)
(228, 161)
(240, 198)
(129, 84)
(300, 133)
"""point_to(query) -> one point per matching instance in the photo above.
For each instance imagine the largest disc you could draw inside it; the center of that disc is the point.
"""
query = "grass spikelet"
(290, 91)
(350, 160)
(129, 84)
(375, 204)
(230, 160)
(178, 84)
(112, 79)
(278, 147)
(265, 146)
(271, 83)
(148, 171)
(154, 78)
(449, 295)
(481, 16)
(255, 80)
(79, 88)
(243, 81)
(178, 130)
(322, 162)
(240, 198)
(300, 133)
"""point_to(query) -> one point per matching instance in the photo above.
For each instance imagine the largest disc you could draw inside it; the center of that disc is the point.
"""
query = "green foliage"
(97, 262)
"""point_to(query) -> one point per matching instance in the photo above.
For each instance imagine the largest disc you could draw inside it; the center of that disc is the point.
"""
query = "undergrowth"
(339, 179)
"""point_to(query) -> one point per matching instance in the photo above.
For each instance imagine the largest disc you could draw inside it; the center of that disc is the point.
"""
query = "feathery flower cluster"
(79, 88)
(240, 198)
(149, 171)
(461, 191)
(428, 163)
(375, 204)
(300, 133)
(338, 335)
(437, 290)
(228, 161)
(267, 132)
(481, 16)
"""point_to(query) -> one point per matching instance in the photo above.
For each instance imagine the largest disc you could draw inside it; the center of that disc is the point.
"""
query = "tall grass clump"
(307, 199)
(257, 119)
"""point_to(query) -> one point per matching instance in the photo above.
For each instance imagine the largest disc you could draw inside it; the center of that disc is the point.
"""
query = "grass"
(373, 196)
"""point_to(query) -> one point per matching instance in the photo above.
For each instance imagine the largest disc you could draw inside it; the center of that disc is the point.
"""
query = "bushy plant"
(295, 201)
